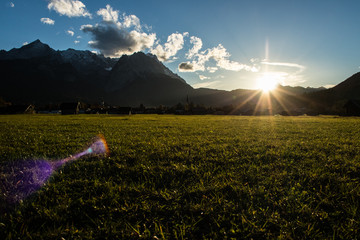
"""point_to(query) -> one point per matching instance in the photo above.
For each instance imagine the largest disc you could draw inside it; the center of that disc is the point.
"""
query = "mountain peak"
(140, 67)
(145, 63)
(31, 50)
(37, 44)
(37, 41)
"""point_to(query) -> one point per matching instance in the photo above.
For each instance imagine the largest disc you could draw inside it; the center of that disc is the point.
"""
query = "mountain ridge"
(87, 76)
(39, 74)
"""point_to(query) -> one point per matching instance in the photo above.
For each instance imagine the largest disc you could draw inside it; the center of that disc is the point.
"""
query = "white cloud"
(286, 73)
(71, 33)
(206, 84)
(125, 21)
(86, 26)
(219, 54)
(212, 69)
(175, 42)
(284, 64)
(143, 40)
(25, 43)
(108, 14)
(12, 4)
(197, 45)
(202, 77)
(76, 41)
(47, 21)
(131, 20)
(78, 37)
(70, 8)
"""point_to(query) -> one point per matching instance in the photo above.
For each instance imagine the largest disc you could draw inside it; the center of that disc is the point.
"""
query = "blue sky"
(217, 44)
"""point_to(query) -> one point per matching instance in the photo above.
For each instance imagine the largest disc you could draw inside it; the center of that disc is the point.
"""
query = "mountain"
(138, 65)
(142, 78)
(332, 100)
(38, 74)
(86, 61)
(348, 89)
(31, 50)
(300, 90)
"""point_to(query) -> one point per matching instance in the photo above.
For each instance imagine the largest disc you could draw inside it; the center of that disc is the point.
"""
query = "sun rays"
(267, 82)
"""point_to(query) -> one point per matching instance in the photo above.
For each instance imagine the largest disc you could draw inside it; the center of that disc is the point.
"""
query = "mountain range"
(38, 74)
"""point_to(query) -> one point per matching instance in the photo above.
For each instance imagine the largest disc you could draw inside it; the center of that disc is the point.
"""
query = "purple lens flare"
(23, 178)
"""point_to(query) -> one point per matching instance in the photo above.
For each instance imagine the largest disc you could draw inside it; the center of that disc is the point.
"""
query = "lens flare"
(25, 177)
(97, 148)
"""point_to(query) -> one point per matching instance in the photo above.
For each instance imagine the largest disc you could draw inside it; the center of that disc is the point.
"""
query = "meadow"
(184, 177)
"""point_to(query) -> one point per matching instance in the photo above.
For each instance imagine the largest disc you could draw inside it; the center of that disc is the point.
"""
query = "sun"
(267, 82)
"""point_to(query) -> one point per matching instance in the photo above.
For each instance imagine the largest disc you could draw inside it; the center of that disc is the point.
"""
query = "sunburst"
(267, 82)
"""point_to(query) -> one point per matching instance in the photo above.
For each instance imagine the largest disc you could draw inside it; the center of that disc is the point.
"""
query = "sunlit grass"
(186, 177)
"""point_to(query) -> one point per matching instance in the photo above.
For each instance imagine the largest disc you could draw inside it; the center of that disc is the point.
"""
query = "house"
(352, 107)
(70, 108)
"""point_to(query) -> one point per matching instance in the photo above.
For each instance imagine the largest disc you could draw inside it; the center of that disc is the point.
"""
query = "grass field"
(184, 177)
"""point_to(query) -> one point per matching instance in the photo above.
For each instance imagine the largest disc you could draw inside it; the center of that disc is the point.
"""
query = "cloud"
(286, 73)
(114, 41)
(47, 21)
(69, 8)
(212, 69)
(12, 4)
(71, 33)
(76, 41)
(191, 67)
(131, 20)
(124, 21)
(25, 43)
(118, 34)
(86, 26)
(206, 84)
(284, 64)
(219, 54)
(202, 77)
(197, 45)
(186, 66)
(175, 42)
(108, 14)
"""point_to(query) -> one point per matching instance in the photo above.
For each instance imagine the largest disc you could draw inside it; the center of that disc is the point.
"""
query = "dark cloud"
(186, 66)
(114, 41)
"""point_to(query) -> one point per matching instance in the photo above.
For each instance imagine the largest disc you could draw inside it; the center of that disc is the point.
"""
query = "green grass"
(186, 177)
